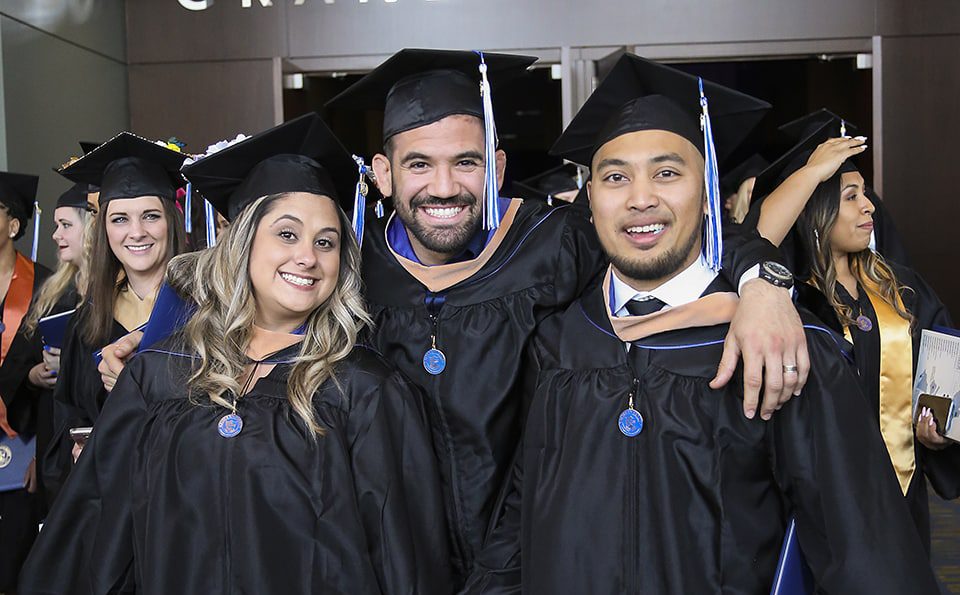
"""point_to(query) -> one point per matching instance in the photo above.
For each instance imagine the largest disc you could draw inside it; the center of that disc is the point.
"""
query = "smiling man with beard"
(636, 474)
(456, 298)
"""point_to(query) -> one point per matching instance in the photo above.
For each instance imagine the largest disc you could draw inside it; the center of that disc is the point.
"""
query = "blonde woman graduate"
(258, 449)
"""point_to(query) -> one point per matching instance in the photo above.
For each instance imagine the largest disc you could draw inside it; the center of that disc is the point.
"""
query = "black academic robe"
(19, 511)
(77, 398)
(483, 325)
(161, 503)
(941, 468)
(698, 501)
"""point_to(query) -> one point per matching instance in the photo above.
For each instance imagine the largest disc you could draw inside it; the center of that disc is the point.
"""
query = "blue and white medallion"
(630, 422)
(434, 361)
(230, 425)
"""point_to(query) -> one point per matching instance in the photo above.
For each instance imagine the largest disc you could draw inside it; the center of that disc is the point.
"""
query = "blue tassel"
(359, 200)
(188, 209)
(211, 219)
(712, 236)
(36, 231)
(491, 196)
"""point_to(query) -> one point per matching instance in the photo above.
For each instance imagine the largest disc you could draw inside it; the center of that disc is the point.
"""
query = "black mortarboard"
(731, 181)
(301, 155)
(795, 158)
(128, 166)
(417, 87)
(639, 94)
(18, 193)
(75, 196)
(804, 126)
(546, 185)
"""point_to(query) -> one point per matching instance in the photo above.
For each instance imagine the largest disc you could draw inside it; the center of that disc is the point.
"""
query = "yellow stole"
(710, 310)
(896, 385)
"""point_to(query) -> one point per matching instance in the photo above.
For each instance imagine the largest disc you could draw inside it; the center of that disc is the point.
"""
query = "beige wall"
(64, 79)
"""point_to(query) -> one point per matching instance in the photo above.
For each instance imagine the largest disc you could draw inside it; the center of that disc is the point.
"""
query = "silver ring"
(789, 369)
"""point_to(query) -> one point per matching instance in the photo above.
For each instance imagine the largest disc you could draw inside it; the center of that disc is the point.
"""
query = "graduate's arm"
(398, 489)
(87, 540)
(853, 524)
(766, 330)
(580, 260)
(780, 209)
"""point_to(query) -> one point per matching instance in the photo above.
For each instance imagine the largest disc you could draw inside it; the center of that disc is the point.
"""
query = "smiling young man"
(456, 299)
(635, 475)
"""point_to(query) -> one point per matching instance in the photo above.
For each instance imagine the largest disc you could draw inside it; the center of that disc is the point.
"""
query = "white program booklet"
(938, 374)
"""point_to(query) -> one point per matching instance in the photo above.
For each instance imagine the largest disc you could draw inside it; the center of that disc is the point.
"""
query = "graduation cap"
(302, 155)
(75, 196)
(638, 95)
(795, 158)
(568, 177)
(18, 192)
(804, 126)
(417, 87)
(128, 166)
(750, 168)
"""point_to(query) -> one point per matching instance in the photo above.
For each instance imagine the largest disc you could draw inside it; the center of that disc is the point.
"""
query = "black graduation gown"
(941, 468)
(20, 511)
(160, 503)
(483, 325)
(698, 501)
(77, 398)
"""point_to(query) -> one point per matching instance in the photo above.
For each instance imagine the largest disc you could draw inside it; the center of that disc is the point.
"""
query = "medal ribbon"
(17, 302)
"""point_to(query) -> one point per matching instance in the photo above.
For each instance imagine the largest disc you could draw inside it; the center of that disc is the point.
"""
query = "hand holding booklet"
(53, 328)
(936, 383)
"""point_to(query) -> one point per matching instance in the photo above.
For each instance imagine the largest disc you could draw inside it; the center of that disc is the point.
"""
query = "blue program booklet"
(170, 313)
(53, 329)
(15, 456)
(793, 577)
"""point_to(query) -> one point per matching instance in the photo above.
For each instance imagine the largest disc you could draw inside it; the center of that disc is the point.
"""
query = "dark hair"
(814, 226)
(105, 279)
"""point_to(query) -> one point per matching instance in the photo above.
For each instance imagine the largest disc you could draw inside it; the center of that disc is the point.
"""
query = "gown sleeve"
(580, 260)
(86, 546)
(398, 490)
(830, 462)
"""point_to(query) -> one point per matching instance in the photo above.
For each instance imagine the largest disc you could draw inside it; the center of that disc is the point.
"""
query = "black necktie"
(643, 307)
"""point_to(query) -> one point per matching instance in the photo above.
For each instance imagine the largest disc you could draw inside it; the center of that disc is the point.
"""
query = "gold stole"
(131, 311)
(444, 276)
(17, 302)
(710, 310)
(896, 385)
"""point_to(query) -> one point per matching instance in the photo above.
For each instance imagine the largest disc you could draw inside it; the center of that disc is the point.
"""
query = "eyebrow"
(669, 158)
(290, 217)
(848, 186)
(468, 155)
(611, 162)
(414, 155)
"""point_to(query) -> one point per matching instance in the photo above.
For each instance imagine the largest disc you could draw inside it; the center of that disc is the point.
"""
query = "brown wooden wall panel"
(920, 121)
(203, 102)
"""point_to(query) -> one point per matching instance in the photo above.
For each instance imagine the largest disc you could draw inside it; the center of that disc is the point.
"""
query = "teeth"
(654, 228)
(444, 212)
(301, 281)
(139, 248)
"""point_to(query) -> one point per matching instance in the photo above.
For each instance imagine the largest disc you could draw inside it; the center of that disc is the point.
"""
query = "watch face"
(778, 270)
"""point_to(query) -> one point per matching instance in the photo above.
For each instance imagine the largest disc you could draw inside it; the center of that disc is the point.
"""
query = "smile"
(653, 228)
(298, 280)
(443, 212)
(139, 248)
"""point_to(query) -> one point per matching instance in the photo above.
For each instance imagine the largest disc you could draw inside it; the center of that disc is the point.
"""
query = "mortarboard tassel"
(211, 220)
(188, 209)
(491, 197)
(36, 230)
(360, 200)
(378, 209)
(713, 237)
